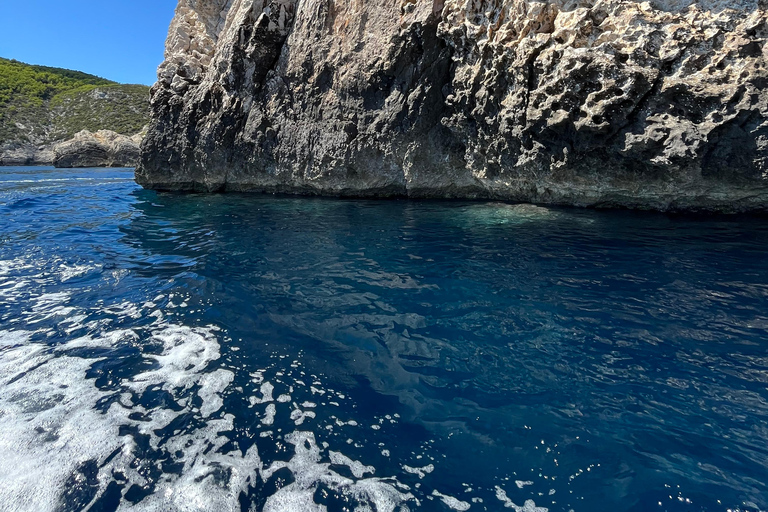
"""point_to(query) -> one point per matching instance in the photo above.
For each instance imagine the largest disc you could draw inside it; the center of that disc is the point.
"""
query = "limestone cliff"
(659, 104)
(103, 148)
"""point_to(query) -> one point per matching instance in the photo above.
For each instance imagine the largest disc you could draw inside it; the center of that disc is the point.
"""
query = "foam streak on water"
(246, 353)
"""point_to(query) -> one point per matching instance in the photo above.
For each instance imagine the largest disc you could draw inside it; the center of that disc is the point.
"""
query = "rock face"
(101, 149)
(660, 104)
(18, 153)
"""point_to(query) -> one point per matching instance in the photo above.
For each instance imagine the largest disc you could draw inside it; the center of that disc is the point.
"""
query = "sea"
(189, 352)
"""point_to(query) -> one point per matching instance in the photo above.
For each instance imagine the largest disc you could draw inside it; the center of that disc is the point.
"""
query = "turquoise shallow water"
(190, 352)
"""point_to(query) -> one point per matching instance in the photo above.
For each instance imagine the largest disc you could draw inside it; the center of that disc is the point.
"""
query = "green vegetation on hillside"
(36, 84)
(120, 108)
(40, 104)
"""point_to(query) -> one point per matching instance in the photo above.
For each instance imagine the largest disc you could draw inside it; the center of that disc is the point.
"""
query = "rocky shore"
(22, 153)
(103, 148)
(64, 117)
(656, 105)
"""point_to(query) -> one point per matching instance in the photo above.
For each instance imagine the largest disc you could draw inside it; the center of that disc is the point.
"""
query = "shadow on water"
(620, 353)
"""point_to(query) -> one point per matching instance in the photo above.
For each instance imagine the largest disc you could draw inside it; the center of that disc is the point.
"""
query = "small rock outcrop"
(18, 153)
(661, 104)
(101, 149)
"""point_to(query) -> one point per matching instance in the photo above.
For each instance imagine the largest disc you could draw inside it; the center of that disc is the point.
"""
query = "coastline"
(621, 104)
(103, 148)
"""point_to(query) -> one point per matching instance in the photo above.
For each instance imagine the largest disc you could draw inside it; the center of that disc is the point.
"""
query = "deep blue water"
(224, 352)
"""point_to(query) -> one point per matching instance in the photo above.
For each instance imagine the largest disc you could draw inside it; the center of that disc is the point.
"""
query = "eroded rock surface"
(18, 153)
(659, 104)
(103, 148)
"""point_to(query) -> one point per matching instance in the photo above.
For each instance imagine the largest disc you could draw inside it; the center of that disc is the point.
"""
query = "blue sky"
(121, 40)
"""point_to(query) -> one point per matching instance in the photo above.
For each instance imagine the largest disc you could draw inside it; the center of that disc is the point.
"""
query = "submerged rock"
(103, 148)
(658, 104)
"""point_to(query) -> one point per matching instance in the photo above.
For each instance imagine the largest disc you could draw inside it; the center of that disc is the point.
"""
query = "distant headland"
(54, 116)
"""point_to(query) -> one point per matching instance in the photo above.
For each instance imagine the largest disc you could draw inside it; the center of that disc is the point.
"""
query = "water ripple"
(162, 352)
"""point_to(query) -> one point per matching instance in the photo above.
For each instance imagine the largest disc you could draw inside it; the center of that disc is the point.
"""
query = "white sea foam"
(266, 394)
(528, 506)
(451, 502)
(186, 354)
(308, 472)
(269, 415)
(52, 424)
(49, 426)
(420, 472)
(211, 387)
(293, 500)
(14, 266)
(14, 338)
(357, 468)
(125, 310)
(49, 306)
(298, 416)
(211, 481)
(106, 340)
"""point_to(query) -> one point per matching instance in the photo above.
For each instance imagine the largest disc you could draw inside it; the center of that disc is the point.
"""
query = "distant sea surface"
(163, 352)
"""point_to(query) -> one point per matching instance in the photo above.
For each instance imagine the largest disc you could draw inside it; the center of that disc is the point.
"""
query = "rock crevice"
(659, 105)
